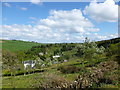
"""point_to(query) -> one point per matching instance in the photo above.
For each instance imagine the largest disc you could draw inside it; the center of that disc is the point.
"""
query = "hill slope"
(86, 65)
(16, 45)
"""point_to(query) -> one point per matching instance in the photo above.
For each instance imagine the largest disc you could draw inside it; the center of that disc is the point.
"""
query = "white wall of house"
(56, 56)
(41, 53)
(27, 63)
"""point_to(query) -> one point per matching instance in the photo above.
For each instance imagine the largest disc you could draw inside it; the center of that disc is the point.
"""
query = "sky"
(59, 22)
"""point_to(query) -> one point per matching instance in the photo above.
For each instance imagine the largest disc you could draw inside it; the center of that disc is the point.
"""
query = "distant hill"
(106, 43)
(16, 45)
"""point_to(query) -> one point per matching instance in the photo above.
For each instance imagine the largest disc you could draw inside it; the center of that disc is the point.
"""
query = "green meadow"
(16, 45)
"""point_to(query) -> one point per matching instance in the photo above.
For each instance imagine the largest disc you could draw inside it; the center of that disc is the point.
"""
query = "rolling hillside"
(87, 65)
(16, 45)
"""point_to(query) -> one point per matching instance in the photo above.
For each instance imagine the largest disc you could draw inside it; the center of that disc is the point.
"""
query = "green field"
(15, 45)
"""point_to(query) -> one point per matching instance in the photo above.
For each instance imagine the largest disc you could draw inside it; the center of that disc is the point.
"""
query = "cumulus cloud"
(103, 37)
(37, 2)
(68, 21)
(7, 4)
(33, 18)
(103, 12)
(23, 8)
(59, 26)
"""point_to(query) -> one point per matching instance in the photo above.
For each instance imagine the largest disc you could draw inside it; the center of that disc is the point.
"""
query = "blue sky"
(48, 22)
(38, 11)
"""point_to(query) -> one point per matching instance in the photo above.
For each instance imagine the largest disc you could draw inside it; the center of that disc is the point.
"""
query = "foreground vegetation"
(85, 65)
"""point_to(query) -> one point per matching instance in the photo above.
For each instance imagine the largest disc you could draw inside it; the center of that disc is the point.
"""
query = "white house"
(30, 63)
(65, 60)
(41, 53)
(42, 65)
(56, 56)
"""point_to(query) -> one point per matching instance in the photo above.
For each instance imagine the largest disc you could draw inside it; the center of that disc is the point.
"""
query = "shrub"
(69, 69)
(103, 73)
(113, 51)
(52, 81)
(9, 59)
(8, 73)
(108, 66)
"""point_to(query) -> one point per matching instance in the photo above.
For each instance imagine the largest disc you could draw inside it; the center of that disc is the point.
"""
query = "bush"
(52, 81)
(114, 51)
(69, 69)
(9, 60)
(8, 73)
(103, 73)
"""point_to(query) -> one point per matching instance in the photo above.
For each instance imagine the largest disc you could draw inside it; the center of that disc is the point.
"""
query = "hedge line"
(8, 73)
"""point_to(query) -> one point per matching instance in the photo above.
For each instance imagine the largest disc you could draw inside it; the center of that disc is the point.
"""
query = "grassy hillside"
(16, 45)
(89, 65)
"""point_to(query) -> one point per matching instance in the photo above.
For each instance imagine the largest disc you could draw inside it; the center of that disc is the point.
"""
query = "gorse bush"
(9, 60)
(114, 52)
(69, 69)
(97, 75)
(52, 81)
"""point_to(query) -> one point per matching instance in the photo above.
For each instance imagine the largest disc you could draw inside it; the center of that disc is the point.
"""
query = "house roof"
(29, 61)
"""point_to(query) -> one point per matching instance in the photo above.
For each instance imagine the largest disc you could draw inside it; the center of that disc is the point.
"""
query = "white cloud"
(59, 26)
(103, 12)
(37, 2)
(33, 18)
(103, 37)
(7, 4)
(68, 21)
(23, 8)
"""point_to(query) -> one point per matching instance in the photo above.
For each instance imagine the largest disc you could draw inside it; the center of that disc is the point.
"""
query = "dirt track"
(2, 41)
